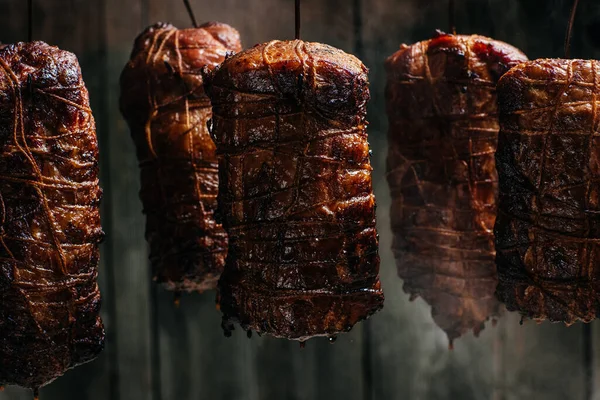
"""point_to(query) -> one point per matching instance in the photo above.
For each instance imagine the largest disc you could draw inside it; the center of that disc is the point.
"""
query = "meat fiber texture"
(548, 226)
(295, 190)
(443, 127)
(49, 217)
(163, 100)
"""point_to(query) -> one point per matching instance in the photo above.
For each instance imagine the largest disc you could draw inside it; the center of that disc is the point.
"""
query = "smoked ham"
(548, 225)
(49, 217)
(443, 127)
(163, 100)
(295, 190)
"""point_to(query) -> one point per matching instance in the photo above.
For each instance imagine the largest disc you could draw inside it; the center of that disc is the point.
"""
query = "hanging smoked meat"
(163, 100)
(49, 217)
(441, 105)
(295, 190)
(548, 226)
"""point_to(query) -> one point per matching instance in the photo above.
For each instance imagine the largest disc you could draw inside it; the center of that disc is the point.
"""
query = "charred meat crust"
(548, 225)
(295, 190)
(163, 100)
(49, 217)
(443, 127)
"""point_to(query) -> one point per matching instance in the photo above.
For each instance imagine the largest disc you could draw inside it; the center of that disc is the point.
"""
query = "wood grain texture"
(193, 351)
(196, 360)
(128, 252)
(408, 351)
(534, 359)
(320, 370)
(13, 15)
(594, 371)
(586, 44)
(339, 367)
(405, 363)
(407, 354)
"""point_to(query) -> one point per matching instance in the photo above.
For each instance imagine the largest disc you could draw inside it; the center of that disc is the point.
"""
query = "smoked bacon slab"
(295, 190)
(163, 100)
(443, 128)
(49, 217)
(548, 225)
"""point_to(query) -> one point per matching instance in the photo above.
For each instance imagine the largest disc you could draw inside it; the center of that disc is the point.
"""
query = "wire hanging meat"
(49, 217)
(547, 231)
(295, 190)
(441, 105)
(163, 100)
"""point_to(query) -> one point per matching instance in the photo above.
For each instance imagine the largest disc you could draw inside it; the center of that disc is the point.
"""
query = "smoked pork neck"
(163, 100)
(443, 127)
(548, 225)
(295, 190)
(49, 217)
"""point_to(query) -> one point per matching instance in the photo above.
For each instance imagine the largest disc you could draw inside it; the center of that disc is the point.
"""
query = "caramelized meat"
(163, 100)
(295, 190)
(548, 226)
(441, 105)
(49, 217)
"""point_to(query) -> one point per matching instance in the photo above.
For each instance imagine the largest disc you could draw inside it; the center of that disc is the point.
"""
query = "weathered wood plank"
(193, 351)
(195, 360)
(192, 358)
(283, 369)
(336, 369)
(542, 361)
(409, 351)
(586, 44)
(13, 15)
(548, 360)
(128, 252)
(595, 367)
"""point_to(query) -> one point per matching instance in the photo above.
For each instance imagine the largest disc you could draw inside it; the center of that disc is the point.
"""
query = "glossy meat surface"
(295, 190)
(441, 105)
(49, 217)
(548, 226)
(163, 100)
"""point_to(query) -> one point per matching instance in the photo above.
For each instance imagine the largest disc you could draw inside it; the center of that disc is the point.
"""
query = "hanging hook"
(191, 13)
(570, 30)
(298, 20)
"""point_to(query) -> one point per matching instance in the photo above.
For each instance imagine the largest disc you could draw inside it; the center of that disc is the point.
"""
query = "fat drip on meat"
(443, 127)
(163, 100)
(295, 190)
(548, 225)
(49, 217)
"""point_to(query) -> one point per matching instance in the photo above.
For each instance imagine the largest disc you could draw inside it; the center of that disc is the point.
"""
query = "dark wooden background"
(157, 352)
